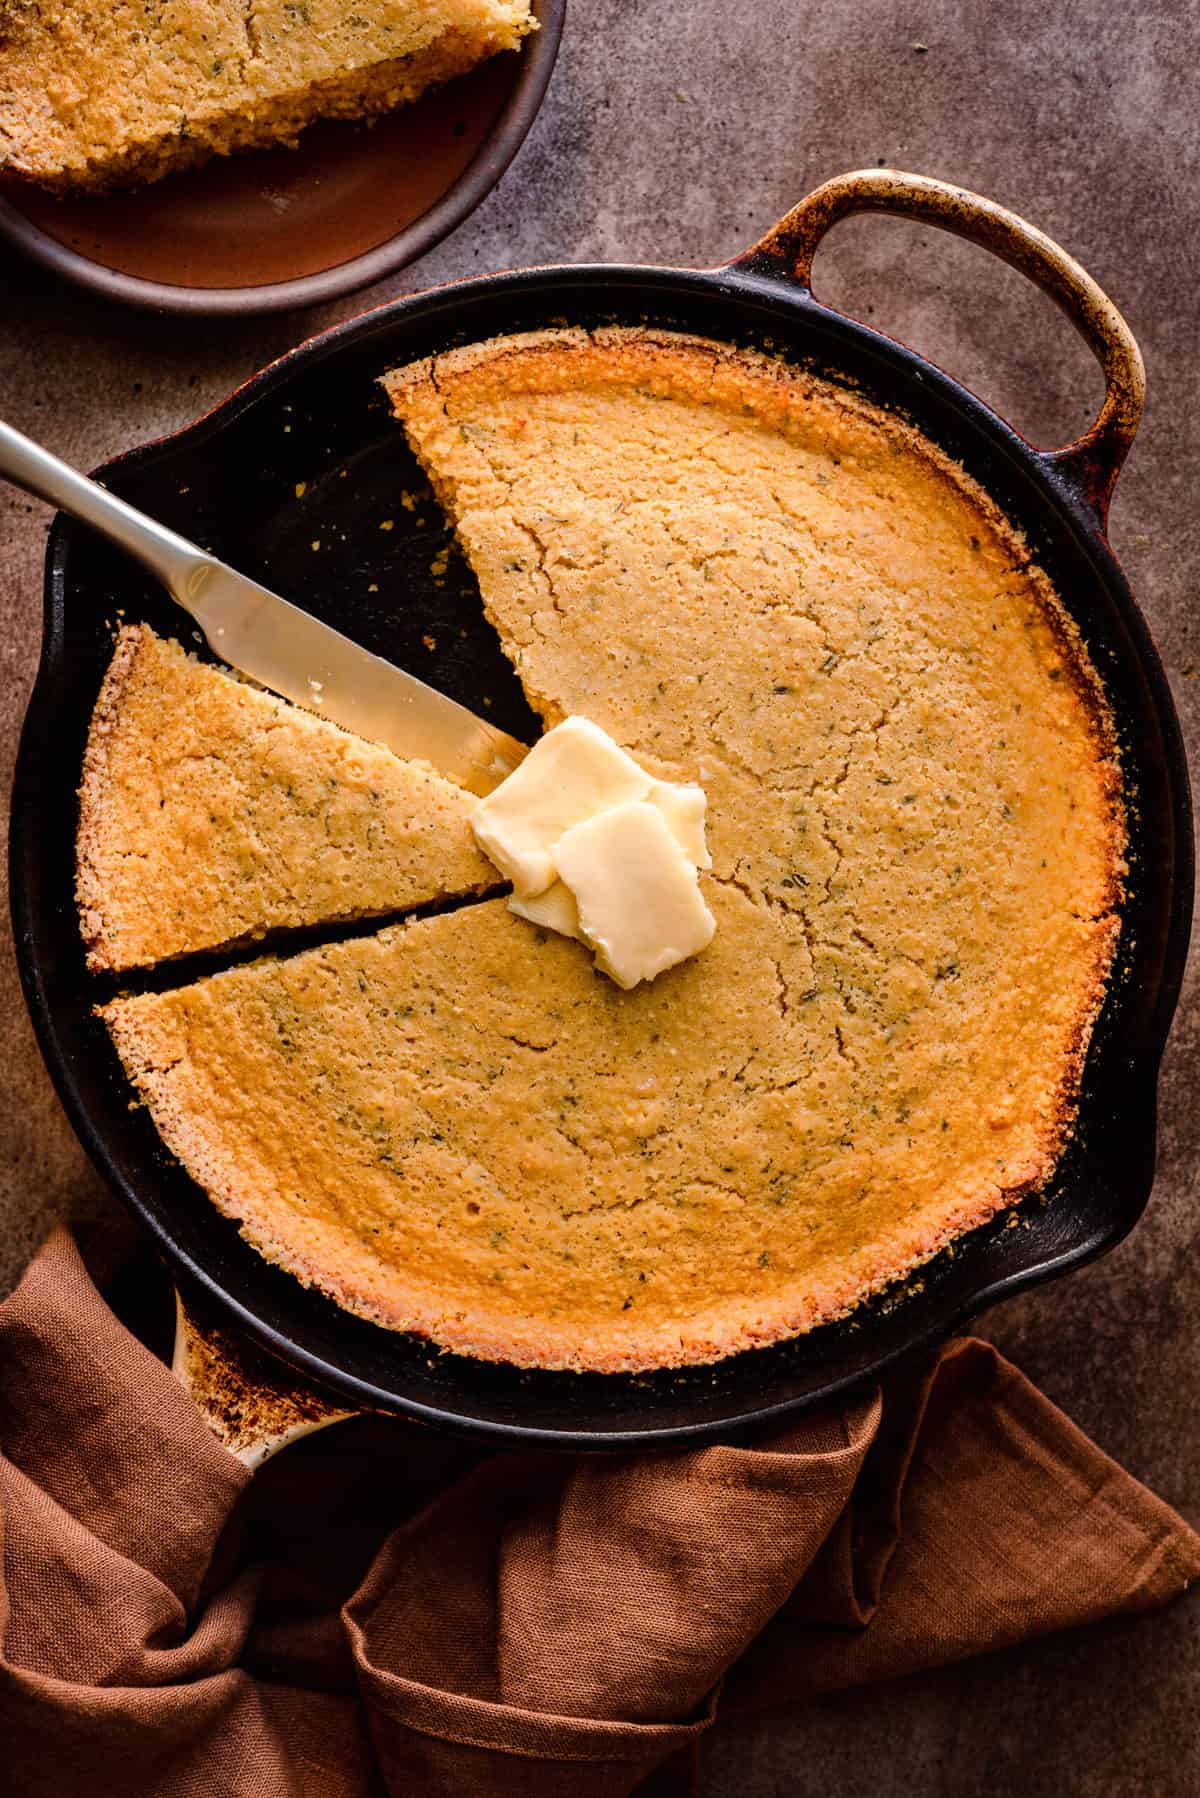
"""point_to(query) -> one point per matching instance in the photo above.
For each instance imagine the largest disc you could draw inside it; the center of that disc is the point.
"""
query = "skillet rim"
(1054, 490)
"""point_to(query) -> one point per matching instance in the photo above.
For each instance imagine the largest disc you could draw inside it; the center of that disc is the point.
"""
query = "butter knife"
(274, 642)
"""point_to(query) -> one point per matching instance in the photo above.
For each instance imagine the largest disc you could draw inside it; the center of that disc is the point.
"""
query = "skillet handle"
(248, 1402)
(1090, 465)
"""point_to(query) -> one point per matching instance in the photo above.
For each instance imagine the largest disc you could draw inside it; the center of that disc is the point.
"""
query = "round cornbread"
(755, 580)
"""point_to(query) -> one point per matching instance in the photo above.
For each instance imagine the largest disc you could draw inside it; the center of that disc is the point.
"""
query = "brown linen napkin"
(387, 1612)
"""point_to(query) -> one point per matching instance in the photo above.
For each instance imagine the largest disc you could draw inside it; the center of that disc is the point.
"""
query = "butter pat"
(573, 772)
(637, 893)
(599, 850)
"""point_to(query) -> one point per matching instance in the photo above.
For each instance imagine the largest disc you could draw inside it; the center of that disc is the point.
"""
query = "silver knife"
(273, 641)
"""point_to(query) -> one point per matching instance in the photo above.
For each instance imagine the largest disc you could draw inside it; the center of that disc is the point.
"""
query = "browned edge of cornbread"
(93, 786)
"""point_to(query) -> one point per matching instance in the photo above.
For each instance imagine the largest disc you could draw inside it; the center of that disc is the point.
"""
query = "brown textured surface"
(685, 152)
(249, 1402)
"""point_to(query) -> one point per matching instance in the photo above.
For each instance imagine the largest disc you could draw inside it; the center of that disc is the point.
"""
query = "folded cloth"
(383, 1611)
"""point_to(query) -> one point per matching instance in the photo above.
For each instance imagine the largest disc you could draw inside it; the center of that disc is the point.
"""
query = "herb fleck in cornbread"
(97, 95)
(211, 811)
(756, 581)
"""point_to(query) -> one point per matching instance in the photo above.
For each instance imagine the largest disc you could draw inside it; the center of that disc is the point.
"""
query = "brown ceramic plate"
(273, 229)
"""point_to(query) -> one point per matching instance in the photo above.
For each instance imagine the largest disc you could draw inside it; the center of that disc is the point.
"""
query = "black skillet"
(306, 454)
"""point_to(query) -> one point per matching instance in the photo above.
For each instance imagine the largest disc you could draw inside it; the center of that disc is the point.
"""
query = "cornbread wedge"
(212, 812)
(121, 93)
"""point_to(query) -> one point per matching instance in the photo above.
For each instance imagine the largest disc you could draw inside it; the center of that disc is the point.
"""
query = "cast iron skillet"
(232, 481)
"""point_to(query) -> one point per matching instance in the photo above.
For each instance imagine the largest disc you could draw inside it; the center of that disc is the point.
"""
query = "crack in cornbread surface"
(97, 95)
(212, 811)
(751, 579)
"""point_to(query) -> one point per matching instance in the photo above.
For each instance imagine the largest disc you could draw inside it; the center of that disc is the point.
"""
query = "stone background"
(676, 131)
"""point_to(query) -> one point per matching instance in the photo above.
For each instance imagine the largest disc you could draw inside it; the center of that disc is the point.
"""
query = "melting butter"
(599, 850)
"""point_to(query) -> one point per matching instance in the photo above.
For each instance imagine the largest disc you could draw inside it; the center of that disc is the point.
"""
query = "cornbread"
(96, 96)
(756, 581)
(212, 811)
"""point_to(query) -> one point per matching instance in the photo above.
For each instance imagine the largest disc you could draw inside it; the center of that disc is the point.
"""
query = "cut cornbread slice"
(101, 95)
(212, 811)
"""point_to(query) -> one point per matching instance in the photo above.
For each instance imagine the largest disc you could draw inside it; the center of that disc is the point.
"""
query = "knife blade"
(275, 642)
(316, 667)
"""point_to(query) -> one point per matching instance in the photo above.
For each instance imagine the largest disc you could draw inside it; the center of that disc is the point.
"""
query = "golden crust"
(752, 579)
(212, 812)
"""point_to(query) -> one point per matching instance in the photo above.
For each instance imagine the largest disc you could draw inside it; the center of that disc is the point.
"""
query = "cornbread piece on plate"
(212, 811)
(755, 581)
(113, 94)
